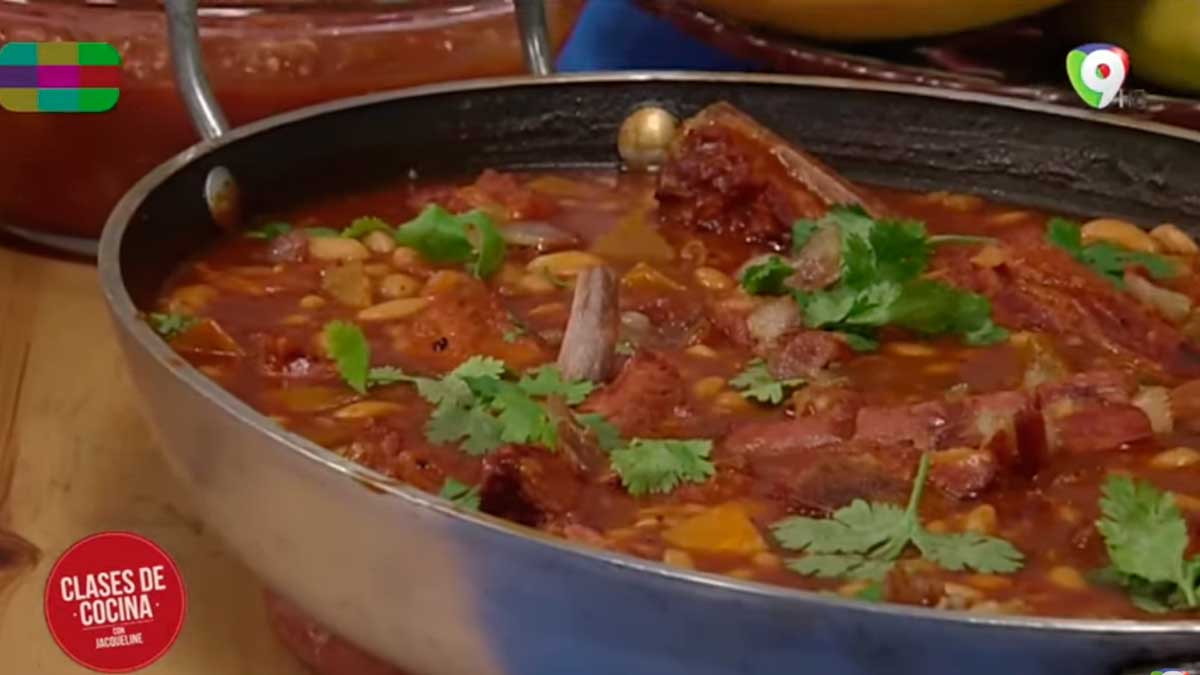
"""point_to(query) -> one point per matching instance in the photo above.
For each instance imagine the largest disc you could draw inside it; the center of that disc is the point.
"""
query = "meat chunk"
(587, 350)
(758, 440)
(963, 473)
(728, 174)
(804, 353)
(1100, 427)
(291, 247)
(529, 486)
(1039, 287)
(921, 426)
(464, 319)
(645, 394)
(1092, 411)
(822, 480)
(500, 194)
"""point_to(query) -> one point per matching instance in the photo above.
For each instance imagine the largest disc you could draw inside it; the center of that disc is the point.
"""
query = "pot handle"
(535, 36)
(183, 36)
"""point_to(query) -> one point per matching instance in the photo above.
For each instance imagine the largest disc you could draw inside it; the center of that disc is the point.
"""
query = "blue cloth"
(617, 35)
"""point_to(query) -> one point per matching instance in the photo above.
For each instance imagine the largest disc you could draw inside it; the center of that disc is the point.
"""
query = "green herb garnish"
(548, 381)
(1105, 259)
(1147, 539)
(882, 261)
(268, 231)
(756, 383)
(350, 352)
(443, 237)
(361, 227)
(655, 465)
(170, 325)
(864, 540)
(767, 278)
(460, 494)
(608, 437)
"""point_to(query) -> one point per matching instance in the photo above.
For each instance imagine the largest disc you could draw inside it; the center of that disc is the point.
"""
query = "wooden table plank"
(76, 458)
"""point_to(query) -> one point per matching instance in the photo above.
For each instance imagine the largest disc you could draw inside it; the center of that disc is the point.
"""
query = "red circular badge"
(115, 602)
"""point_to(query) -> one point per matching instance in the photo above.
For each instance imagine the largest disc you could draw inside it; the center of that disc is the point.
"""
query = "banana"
(1161, 36)
(856, 20)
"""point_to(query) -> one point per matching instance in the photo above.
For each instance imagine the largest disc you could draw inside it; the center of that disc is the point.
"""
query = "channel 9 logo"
(59, 77)
(1172, 672)
(1097, 71)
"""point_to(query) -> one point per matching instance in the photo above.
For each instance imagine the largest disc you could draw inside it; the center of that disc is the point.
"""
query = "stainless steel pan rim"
(124, 309)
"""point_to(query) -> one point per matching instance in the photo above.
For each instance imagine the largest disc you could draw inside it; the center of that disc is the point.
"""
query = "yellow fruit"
(1161, 36)
(849, 20)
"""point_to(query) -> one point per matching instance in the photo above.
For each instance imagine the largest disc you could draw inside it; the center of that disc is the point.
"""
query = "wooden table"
(76, 458)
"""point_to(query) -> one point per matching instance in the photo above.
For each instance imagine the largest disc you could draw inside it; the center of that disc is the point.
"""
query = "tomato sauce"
(271, 313)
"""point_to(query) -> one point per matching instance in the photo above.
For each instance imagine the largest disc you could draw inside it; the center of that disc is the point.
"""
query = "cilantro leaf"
(461, 494)
(659, 465)
(480, 366)
(478, 430)
(268, 231)
(608, 437)
(863, 540)
(880, 285)
(802, 231)
(840, 566)
(385, 375)
(860, 343)
(443, 237)
(490, 249)
(1107, 260)
(767, 278)
(856, 528)
(522, 419)
(757, 383)
(349, 349)
(1146, 539)
(547, 380)
(361, 227)
(170, 325)
(969, 550)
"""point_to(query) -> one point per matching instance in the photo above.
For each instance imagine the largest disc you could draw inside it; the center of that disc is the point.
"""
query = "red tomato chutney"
(923, 399)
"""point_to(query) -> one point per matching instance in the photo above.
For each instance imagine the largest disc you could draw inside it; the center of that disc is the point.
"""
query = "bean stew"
(744, 364)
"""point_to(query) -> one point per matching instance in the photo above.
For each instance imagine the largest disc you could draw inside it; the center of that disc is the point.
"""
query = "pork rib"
(727, 173)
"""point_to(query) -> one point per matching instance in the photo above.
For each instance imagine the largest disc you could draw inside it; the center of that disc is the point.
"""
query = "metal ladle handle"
(183, 34)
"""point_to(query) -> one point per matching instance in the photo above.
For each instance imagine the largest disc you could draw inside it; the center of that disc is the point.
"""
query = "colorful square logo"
(59, 77)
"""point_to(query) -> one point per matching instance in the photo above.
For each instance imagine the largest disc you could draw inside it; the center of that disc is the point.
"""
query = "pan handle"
(183, 34)
(535, 36)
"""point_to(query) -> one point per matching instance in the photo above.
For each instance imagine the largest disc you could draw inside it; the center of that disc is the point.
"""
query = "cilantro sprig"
(756, 383)
(864, 540)
(268, 231)
(767, 278)
(1147, 540)
(443, 237)
(474, 404)
(880, 285)
(460, 494)
(655, 465)
(1107, 260)
(170, 325)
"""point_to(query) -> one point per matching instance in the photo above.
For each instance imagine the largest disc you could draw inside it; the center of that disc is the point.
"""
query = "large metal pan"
(441, 592)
